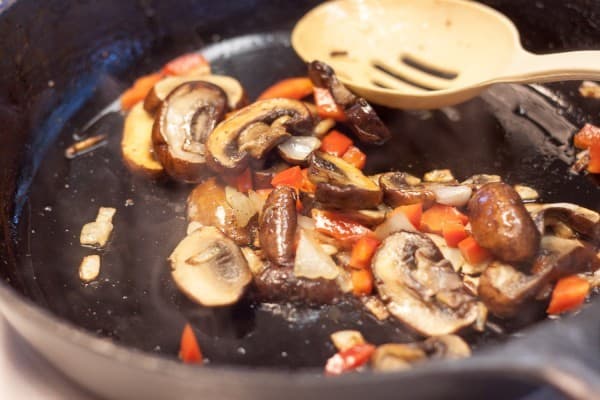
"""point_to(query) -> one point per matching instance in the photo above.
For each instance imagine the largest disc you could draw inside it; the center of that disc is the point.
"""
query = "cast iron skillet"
(64, 61)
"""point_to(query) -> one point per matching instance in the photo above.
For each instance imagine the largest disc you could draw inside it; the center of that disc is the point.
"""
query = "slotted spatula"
(423, 54)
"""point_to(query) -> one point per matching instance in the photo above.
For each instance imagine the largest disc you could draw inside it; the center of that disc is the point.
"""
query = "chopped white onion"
(452, 195)
(450, 253)
(311, 261)
(395, 223)
(242, 207)
(297, 148)
(344, 340)
(306, 223)
(89, 269)
(257, 200)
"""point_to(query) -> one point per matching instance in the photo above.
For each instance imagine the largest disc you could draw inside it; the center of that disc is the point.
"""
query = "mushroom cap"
(210, 268)
(182, 123)
(254, 128)
(420, 287)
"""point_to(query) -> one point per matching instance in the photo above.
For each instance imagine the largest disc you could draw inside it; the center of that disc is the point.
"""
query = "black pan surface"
(520, 132)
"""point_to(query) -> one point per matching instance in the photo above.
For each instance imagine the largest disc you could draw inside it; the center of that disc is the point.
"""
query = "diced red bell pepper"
(291, 88)
(569, 294)
(363, 251)
(362, 281)
(594, 164)
(434, 218)
(454, 232)
(189, 350)
(413, 212)
(335, 143)
(307, 185)
(587, 137)
(350, 359)
(187, 64)
(339, 226)
(291, 177)
(326, 106)
(355, 157)
(140, 89)
(472, 252)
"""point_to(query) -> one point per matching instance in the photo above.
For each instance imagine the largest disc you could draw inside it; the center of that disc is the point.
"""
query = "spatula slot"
(428, 68)
(401, 78)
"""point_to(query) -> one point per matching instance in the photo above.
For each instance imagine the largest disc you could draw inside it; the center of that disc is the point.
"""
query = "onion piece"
(306, 223)
(242, 206)
(311, 261)
(257, 200)
(395, 223)
(451, 195)
(296, 149)
(451, 254)
(344, 340)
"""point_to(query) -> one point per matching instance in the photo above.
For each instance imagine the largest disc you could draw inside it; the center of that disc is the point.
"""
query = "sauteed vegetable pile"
(281, 211)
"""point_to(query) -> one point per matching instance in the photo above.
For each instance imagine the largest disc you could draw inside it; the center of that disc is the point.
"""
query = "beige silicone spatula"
(422, 54)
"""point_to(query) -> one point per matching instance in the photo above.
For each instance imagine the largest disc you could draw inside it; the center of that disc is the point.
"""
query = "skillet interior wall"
(112, 36)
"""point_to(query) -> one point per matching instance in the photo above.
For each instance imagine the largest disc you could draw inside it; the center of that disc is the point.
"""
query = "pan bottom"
(134, 301)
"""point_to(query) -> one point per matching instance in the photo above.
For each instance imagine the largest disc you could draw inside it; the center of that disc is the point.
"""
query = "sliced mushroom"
(439, 176)
(369, 218)
(397, 190)
(503, 288)
(477, 181)
(361, 117)
(209, 268)
(276, 284)
(420, 287)
(501, 224)
(446, 347)
(207, 204)
(582, 220)
(136, 145)
(229, 143)
(527, 193)
(297, 149)
(396, 357)
(185, 119)
(236, 96)
(340, 184)
(277, 226)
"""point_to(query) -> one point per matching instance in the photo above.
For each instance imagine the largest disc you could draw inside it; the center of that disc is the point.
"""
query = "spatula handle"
(575, 65)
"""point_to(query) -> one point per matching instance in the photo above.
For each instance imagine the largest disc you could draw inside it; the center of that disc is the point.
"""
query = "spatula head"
(409, 53)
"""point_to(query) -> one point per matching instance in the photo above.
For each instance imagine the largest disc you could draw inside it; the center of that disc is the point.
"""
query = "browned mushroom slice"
(236, 96)
(229, 145)
(582, 220)
(396, 357)
(361, 117)
(278, 226)
(207, 205)
(136, 145)
(340, 184)
(503, 288)
(183, 122)
(420, 287)
(281, 285)
(209, 268)
(477, 181)
(446, 347)
(500, 223)
(398, 192)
